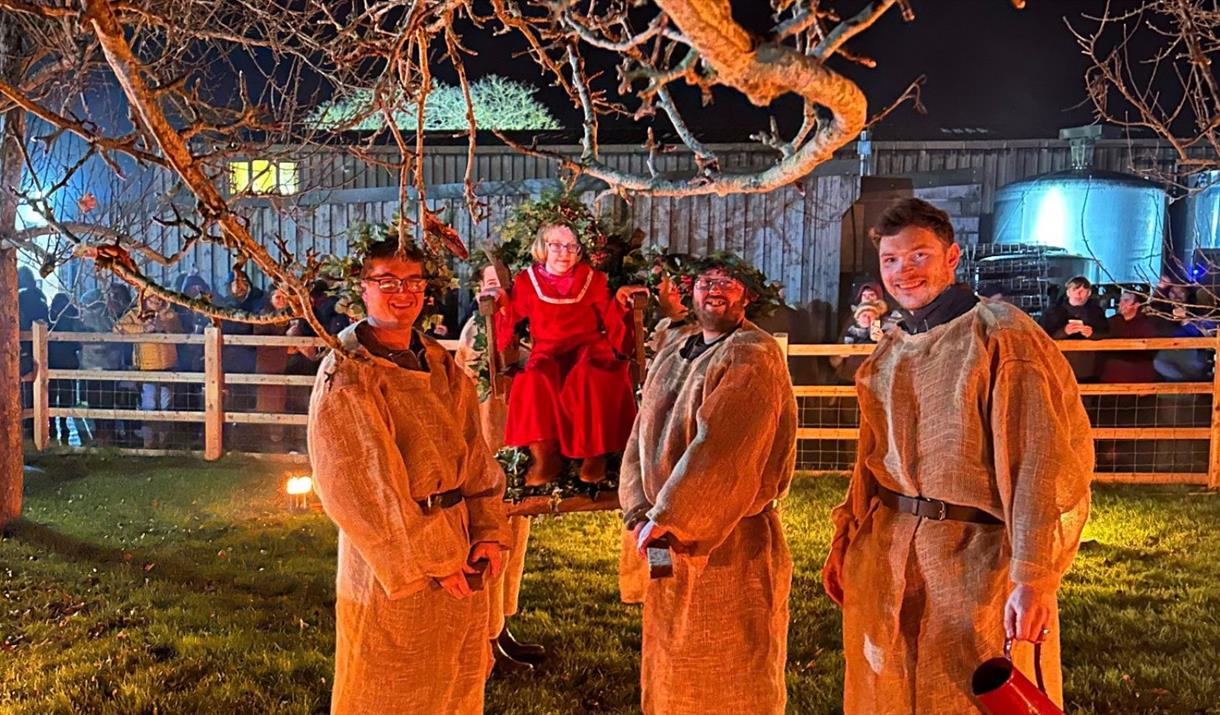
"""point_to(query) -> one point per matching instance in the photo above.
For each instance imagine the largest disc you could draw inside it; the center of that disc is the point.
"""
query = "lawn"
(158, 586)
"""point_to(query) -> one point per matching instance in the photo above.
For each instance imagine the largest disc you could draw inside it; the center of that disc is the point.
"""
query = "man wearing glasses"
(402, 469)
(710, 455)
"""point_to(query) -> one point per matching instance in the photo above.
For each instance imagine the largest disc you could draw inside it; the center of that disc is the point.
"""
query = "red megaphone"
(1001, 689)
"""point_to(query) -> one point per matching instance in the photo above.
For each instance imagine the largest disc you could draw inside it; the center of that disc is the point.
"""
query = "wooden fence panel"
(213, 379)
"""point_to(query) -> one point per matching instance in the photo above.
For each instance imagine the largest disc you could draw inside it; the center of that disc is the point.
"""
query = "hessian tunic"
(712, 450)
(503, 592)
(381, 439)
(982, 411)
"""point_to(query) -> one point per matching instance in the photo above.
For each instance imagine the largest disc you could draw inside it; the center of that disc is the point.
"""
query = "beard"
(720, 320)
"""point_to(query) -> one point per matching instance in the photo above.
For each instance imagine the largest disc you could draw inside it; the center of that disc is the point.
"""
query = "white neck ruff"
(559, 301)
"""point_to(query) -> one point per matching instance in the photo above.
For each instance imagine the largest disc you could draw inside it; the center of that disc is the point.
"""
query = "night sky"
(1013, 73)
(1010, 73)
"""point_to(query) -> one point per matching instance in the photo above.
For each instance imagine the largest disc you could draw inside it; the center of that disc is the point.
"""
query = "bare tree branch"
(128, 73)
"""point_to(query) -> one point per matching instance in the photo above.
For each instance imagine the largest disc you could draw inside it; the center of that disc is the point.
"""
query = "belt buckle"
(941, 508)
(428, 503)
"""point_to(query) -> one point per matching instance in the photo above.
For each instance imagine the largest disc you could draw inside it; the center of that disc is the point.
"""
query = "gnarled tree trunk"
(11, 457)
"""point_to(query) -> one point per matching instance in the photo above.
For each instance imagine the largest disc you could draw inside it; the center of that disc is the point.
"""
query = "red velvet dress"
(575, 388)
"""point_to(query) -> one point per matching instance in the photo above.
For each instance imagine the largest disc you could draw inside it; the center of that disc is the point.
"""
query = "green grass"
(142, 586)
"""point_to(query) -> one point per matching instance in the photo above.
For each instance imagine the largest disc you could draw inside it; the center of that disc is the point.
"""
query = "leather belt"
(933, 509)
(441, 500)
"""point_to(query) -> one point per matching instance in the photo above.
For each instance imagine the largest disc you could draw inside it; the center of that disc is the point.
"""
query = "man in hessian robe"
(510, 655)
(970, 490)
(402, 469)
(710, 455)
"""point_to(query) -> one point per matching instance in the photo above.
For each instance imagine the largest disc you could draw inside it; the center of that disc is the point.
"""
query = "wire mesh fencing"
(1158, 432)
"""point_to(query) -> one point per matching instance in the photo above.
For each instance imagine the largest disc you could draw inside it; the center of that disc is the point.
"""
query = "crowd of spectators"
(112, 309)
(1171, 310)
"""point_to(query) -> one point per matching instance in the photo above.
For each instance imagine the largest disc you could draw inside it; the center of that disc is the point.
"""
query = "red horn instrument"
(1001, 689)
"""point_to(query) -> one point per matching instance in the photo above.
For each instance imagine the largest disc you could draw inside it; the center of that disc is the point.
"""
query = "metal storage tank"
(1197, 219)
(1116, 220)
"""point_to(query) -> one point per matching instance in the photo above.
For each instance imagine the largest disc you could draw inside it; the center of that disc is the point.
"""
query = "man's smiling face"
(720, 300)
(916, 266)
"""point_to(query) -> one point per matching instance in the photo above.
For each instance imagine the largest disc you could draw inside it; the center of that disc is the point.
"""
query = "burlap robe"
(983, 412)
(503, 592)
(713, 446)
(381, 438)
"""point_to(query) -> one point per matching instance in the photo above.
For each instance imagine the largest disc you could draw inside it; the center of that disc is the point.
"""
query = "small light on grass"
(298, 489)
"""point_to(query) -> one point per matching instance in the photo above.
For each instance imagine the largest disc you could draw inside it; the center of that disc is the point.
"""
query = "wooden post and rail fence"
(214, 381)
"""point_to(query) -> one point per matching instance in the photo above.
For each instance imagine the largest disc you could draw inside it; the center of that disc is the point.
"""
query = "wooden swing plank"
(540, 505)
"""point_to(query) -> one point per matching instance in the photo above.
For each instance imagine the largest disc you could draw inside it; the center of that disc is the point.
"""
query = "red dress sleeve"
(616, 319)
(520, 305)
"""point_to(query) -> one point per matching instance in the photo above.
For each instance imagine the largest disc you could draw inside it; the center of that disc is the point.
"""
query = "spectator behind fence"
(865, 330)
(272, 360)
(871, 294)
(1130, 322)
(64, 355)
(190, 357)
(1168, 305)
(192, 285)
(240, 359)
(1179, 317)
(1078, 317)
(101, 309)
(153, 316)
(326, 308)
(188, 396)
(31, 307)
(304, 361)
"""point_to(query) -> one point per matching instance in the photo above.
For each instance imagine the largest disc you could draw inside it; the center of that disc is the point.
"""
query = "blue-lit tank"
(1197, 221)
(1116, 220)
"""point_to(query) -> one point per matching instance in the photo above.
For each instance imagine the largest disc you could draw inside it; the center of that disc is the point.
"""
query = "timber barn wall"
(794, 234)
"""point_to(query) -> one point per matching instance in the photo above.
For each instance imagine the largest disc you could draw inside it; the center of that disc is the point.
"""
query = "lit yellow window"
(260, 176)
(239, 176)
(287, 180)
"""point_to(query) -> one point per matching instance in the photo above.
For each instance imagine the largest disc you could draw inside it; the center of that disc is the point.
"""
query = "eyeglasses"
(390, 284)
(706, 284)
(561, 248)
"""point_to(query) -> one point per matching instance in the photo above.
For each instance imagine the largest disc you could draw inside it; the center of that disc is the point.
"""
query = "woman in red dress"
(574, 398)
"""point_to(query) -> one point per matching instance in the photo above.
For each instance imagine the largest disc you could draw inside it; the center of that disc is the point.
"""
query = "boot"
(593, 470)
(504, 664)
(524, 652)
(546, 464)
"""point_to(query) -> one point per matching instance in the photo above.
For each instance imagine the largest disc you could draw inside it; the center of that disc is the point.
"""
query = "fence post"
(42, 395)
(213, 393)
(1213, 445)
(782, 339)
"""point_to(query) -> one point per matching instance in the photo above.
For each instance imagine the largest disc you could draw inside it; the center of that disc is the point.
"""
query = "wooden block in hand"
(660, 560)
